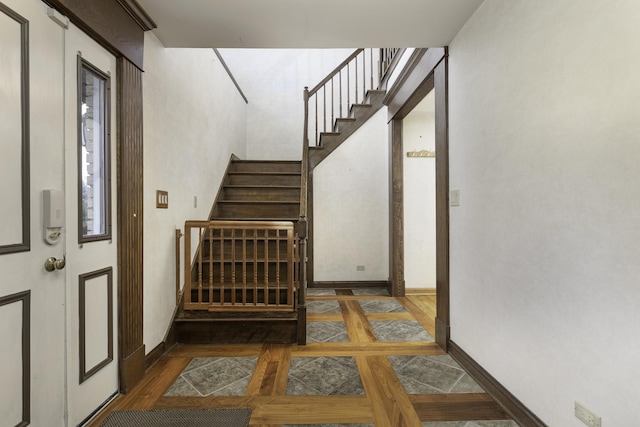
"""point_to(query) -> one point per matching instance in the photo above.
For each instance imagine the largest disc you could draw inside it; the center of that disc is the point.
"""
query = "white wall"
(418, 133)
(351, 207)
(545, 245)
(194, 119)
(273, 80)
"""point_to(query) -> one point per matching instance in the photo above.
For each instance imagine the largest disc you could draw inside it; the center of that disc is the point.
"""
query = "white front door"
(32, 300)
(57, 328)
(91, 249)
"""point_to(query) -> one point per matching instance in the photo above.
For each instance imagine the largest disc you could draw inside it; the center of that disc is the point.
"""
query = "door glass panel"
(93, 154)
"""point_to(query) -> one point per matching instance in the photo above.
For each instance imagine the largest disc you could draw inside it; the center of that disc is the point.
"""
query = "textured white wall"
(418, 133)
(194, 119)
(273, 80)
(545, 245)
(351, 207)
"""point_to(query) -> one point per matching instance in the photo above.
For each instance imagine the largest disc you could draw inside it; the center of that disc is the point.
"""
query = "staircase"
(343, 128)
(260, 191)
(250, 301)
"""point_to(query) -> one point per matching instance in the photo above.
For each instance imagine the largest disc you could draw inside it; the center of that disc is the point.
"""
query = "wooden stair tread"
(204, 316)
(261, 202)
(254, 219)
(268, 186)
(262, 173)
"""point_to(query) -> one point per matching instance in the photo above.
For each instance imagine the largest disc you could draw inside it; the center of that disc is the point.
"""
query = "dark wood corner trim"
(86, 372)
(442, 202)
(25, 298)
(138, 14)
(154, 355)
(233, 79)
(411, 79)
(512, 406)
(132, 370)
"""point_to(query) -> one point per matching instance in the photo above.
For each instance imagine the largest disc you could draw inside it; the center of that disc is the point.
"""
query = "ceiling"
(308, 23)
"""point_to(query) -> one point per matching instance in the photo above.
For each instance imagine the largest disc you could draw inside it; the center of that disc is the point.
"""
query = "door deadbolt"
(54, 264)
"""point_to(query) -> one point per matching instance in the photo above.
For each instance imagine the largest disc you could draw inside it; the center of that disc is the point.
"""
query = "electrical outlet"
(587, 417)
(195, 201)
(359, 267)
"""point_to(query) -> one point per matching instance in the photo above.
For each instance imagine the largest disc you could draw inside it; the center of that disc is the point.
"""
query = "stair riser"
(263, 194)
(258, 179)
(254, 166)
(236, 332)
(245, 211)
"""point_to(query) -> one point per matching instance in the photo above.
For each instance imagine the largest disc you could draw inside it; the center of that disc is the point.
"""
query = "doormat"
(179, 418)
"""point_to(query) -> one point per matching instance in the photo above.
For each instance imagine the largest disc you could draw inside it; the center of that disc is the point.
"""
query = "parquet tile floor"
(370, 361)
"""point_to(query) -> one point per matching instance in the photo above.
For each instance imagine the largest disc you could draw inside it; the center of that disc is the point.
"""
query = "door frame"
(426, 70)
(119, 26)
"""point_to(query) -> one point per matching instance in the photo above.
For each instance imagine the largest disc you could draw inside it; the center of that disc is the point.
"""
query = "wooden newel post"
(302, 289)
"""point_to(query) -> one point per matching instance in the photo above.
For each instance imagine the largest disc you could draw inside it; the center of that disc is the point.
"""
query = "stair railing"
(347, 84)
(240, 266)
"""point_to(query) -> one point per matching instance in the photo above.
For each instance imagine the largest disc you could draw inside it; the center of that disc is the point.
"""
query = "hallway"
(370, 360)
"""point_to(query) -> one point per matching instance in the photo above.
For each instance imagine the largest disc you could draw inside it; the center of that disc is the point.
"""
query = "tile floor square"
(400, 331)
(324, 376)
(320, 291)
(327, 332)
(323, 306)
(382, 306)
(214, 376)
(370, 291)
(432, 374)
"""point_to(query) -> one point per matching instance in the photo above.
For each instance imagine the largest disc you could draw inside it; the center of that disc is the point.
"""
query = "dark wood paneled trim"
(350, 284)
(154, 355)
(396, 209)
(85, 372)
(25, 299)
(132, 370)
(426, 71)
(442, 202)
(109, 23)
(25, 244)
(233, 79)
(514, 407)
(310, 233)
(138, 14)
(409, 89)
(130, 225)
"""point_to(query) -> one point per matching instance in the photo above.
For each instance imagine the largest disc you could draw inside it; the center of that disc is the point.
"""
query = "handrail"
(335, 71)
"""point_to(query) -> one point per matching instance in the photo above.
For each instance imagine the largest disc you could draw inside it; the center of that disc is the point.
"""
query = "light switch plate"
(162, 199)
(454, 197)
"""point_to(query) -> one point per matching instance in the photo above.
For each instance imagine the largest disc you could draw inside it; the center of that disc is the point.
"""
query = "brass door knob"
(54, 264)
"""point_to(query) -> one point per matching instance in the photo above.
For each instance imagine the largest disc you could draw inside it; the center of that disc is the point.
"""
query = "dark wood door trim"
(442, 203)
(410, 87)
(396, 213)
(118, 25)
(425, 71)
(130, 225)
